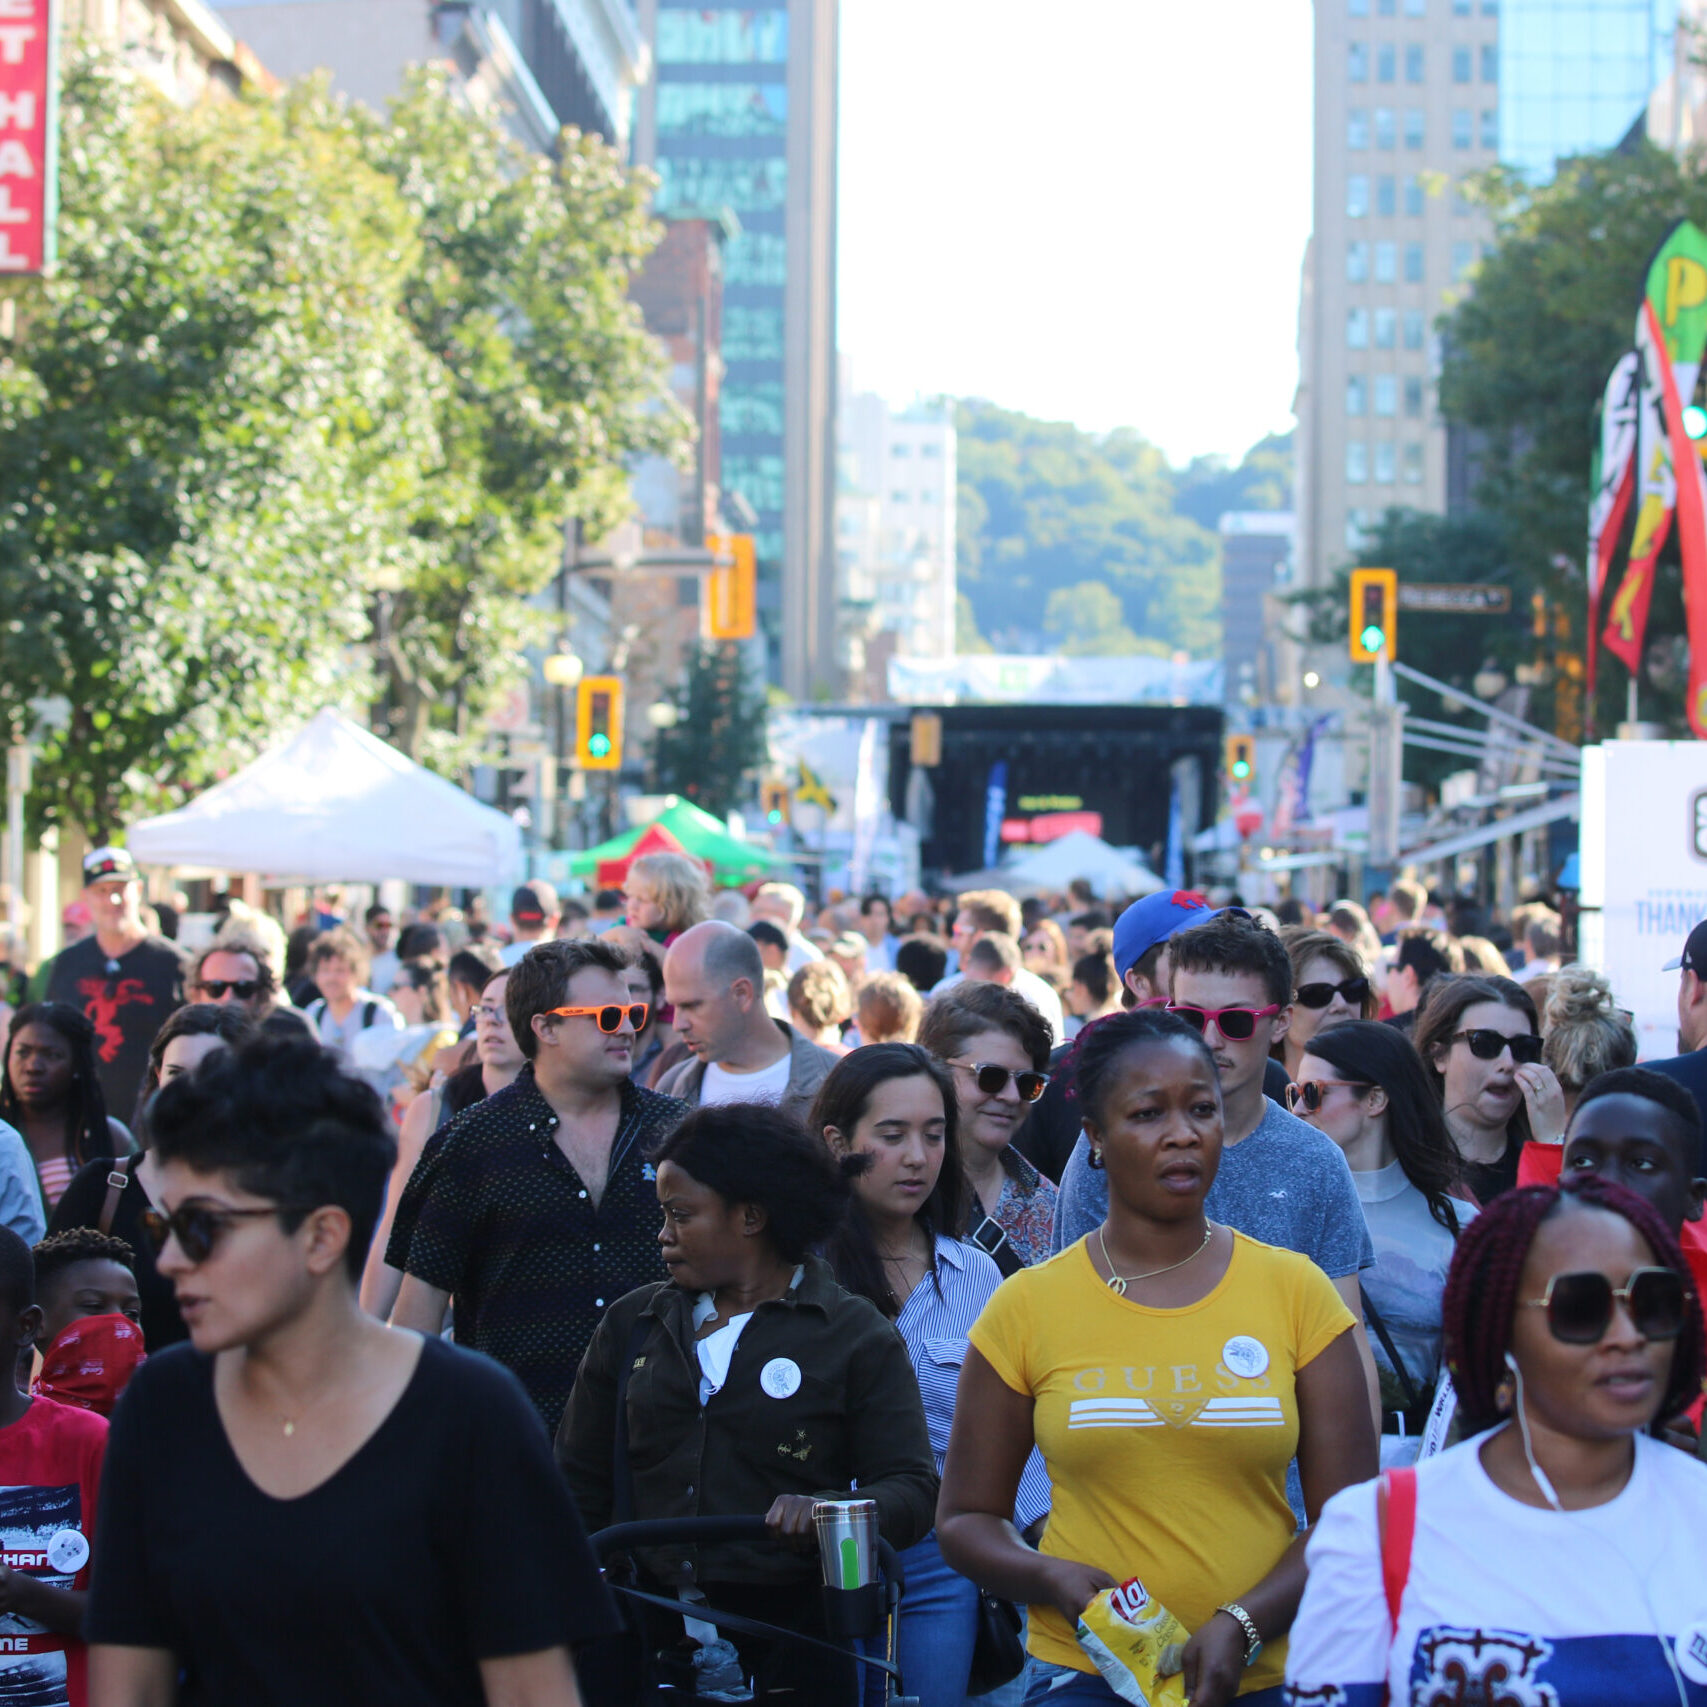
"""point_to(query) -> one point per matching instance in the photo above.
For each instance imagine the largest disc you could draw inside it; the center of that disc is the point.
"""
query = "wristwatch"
(1253, 1640)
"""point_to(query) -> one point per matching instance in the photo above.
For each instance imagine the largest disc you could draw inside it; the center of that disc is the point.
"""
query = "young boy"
(91, 1340)
(50, 1474)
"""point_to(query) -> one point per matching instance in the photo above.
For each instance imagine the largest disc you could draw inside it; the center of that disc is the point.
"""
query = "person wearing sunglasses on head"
(1481, 1042)
(1330, 987)
(303, 1504)
(1557, 1554)
(535, 1208)
(996, 1046)
(1363, 1085)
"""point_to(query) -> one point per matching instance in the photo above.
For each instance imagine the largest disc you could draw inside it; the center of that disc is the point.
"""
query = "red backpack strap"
(1396, 1515)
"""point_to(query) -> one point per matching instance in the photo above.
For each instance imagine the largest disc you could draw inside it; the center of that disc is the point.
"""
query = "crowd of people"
(1334, 1275)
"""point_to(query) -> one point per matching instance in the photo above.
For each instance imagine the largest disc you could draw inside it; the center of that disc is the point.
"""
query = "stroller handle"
(707, 1532)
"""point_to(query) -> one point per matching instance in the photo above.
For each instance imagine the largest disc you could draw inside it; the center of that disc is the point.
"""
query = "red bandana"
(90, 1362)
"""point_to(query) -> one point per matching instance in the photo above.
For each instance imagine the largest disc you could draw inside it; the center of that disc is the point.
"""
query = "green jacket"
(854, 1416)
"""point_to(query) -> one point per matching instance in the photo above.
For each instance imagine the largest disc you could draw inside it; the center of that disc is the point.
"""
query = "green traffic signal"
(1695, 421)
(773, 816)
(599, 746)
(1373, 639)
(1241, 769)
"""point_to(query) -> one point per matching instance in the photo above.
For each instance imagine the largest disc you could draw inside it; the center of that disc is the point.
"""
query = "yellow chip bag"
(1137, 1645)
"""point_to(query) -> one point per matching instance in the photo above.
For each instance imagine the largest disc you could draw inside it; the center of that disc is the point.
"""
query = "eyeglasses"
(198, 1228)
(1355, 992)
(610, 1018)
(1579, 1306)
(1237, 1025)
(244, 989)
(993, 1080)
(1486, 1044)
(1313, 1092)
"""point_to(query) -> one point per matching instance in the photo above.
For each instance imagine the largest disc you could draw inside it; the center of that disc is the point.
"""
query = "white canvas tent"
(1080, 854)
(336, 804)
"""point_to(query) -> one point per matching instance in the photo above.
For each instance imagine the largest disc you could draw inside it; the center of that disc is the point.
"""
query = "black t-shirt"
(127, 1000)
(81, 1206)
(448, 1538)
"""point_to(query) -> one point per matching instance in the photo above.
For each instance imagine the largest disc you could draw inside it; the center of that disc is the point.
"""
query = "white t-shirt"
(768, 1085)
(1508, 1602)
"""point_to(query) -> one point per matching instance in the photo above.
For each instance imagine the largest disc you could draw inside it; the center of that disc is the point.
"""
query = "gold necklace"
(1117, 1283)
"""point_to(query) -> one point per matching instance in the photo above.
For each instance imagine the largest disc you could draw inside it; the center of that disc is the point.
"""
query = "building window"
(1356, 196)
(752, 334)
(1386, 195)
(898, 497)
(1461, 65)
(1386, 63)
(754, 36)
(1461, 8)
(1413, 195)
(756, 258)
(1384, 137)
(1490, 127)
(1356, 395)
(1490, 8)
(1357, 127)
(1413, 329)
(1413, 263)
(1386, 462)
(1461, 128)
(1386, 394)
(1413, 465)
(1357, 328)
(1490, 63)
(930, 450)
(1387, 8)
(1463, 259)
(1386, 263)
(1358, 8)
(900, 450)
(1413, 127)
(751, 409)
(1386, 328)
(757, 185)
(1416, 8)
(1414, 63)
(1413, 397)
(1357, 62)
(1356, 263)
(722, 109)
(1356, 464)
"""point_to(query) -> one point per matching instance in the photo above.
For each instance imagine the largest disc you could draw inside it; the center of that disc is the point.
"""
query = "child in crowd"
(91, 1310)
(50, 1474)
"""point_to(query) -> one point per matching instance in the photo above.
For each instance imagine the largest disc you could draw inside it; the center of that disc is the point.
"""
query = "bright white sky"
(1089, 210)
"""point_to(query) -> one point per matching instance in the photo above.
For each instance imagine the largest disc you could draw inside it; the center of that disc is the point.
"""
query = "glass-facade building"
(1575, 75)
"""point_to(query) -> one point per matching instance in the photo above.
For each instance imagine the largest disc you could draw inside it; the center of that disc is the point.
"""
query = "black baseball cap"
(108, 865)
(1694, 956)
(533, 900)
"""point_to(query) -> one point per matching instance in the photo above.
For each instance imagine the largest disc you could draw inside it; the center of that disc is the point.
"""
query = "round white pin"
(1692, 1652)
(68, 1552)
(1246, 1357)
(780, 1377)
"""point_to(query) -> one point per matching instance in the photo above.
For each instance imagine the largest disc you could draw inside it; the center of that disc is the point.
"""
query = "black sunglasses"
(993, 1080)
(1579, 1306)
(1312, 1093)
(244, 989)
(1486, 1044)
(197, 1227)
(1354, 990)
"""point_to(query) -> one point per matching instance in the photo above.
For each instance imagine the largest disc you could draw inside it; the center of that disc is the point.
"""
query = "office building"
(1256, 565)
(895, 536)
(741, 116)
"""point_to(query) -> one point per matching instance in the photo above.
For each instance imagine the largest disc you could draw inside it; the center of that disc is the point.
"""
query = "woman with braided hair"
(1559, 1555)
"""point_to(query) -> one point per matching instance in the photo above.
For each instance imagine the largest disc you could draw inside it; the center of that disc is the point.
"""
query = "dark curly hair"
(1480, 1300)
(87, 1134)
(1099, 1046)
(60, 1251)
(754, 1153)
(964, 1010)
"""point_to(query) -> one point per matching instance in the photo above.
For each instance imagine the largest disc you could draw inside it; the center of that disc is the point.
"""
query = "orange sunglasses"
(610, 1017)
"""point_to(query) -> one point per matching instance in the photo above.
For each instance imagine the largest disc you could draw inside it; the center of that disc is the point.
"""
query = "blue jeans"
(939, 1621)
(1049, 1685)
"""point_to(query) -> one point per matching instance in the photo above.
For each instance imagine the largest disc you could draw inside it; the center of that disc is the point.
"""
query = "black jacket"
(854, 1415)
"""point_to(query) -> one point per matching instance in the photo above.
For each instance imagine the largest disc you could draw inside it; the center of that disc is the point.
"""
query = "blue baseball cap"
(1154, 919)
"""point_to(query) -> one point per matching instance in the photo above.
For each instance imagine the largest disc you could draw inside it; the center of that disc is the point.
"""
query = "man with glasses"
(236, 973)
(535, 1209)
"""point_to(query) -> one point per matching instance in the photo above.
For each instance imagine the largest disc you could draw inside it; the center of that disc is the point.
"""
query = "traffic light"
(731, 594)
(774, 796)
(1374, 614)
(926, 733)
(1241, 760)
(598, 723)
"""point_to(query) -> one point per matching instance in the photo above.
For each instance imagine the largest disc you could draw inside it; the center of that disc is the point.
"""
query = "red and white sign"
(26, 135)
(1051, 826)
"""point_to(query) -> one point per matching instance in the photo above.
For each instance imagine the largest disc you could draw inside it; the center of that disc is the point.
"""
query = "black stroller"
(648, 1676)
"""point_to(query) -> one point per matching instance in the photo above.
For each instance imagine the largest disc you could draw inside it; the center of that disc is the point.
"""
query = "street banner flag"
(29, 164)
(1614, 486)
(1671, 336)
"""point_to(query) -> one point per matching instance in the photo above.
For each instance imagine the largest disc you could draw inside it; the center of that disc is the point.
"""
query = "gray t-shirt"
(1286, 1184)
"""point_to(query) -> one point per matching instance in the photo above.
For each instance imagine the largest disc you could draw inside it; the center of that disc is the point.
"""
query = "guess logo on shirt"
(1176, 1396)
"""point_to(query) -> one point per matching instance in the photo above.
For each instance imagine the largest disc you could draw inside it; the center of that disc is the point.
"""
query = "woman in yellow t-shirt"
(1169, 1368)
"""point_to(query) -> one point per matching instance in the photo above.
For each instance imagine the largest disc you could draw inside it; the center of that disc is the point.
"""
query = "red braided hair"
(1480, 1300)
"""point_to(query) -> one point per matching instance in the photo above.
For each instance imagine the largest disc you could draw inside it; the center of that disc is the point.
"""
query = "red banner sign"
(27, 164)
(1051, 826)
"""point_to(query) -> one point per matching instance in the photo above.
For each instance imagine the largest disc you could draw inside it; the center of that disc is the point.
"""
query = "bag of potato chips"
(1137, 1645)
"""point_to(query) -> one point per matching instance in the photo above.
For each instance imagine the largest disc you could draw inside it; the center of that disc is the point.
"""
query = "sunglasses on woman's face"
(1314, 1092)
(198, 1227)
(610, 1017)
(1579, 1306)
(1237, 1025)
(1486, 1044)
(1354, 992)
(993, 1080)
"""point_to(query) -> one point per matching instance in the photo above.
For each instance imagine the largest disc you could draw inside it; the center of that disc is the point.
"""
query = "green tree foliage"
(1086, 621)
(717, 743)
(1209, 486)
(299, 368)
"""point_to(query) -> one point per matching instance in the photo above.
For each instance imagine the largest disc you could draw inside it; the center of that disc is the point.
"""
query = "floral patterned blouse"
(1025, 1210)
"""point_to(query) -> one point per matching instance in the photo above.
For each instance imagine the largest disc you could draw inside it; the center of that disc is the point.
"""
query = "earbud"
(1511, 1364)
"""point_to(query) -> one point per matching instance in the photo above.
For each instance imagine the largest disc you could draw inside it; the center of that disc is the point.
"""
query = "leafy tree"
(1208, 487)
(967, 639)
(1086, 622)
(717, 744)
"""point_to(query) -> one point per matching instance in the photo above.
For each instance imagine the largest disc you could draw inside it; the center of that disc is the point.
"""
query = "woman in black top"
(95, 1198)
(755, 1386)
(305, 1505)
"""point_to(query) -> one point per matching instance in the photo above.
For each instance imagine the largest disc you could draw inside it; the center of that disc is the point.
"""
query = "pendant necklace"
(1117, 1283)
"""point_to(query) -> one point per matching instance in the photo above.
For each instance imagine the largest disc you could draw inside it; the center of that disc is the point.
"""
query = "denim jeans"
(1049, 1685)
(939, 1621)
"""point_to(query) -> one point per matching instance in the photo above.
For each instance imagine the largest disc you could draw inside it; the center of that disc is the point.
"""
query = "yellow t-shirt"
(1167, 1432)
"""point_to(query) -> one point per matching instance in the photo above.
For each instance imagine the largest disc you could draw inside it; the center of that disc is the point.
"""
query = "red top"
(50, 1477)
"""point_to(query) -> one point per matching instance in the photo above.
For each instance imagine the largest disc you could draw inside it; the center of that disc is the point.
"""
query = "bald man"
(715, 981)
